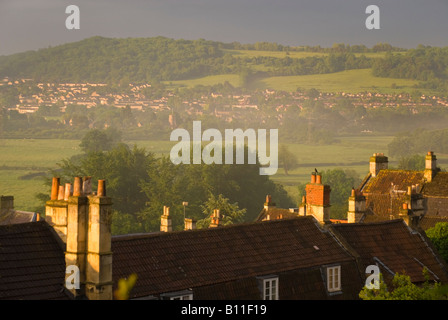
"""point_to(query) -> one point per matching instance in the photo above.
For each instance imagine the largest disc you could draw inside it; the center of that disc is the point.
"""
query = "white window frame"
(270, 288)
(334, 278)
(183, 297)
(178, 295)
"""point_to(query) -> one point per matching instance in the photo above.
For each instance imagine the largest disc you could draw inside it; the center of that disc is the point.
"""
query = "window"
(270, 289)
(184, 297)
(178, 295)
(334, 279)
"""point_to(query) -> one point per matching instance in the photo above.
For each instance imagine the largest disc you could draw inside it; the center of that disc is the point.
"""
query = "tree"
(229, 212)
(287, 159)
(439, 237)
(403, 289)
(99, 140)
(414, 162)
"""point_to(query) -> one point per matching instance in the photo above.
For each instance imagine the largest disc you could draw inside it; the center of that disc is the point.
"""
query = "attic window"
(334, 279)
(269, 287)
(178, 295)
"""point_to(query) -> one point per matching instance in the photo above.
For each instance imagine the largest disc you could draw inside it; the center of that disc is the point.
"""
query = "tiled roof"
(276, 213)
(14, 216)
(167, 262)
(428, 221)
(385, 193)
(32, 264)
(392, 245)
(438, 187)
(401, 179)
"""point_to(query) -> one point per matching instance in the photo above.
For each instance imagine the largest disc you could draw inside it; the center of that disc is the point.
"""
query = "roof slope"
(15, 216)
(32, 264)
(438, 187)
(167, 262)
(401, 179)
(392, 245)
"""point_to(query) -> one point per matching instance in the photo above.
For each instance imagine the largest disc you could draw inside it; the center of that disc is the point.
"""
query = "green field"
(23, 161)
(352, 81)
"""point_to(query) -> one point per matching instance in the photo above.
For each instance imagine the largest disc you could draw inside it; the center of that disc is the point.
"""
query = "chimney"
(190, 224)
(378, 162)
(56, 210)
(87, 185)
(165, 221)
(54, 188)
(99, 254)
(77, 228)
(318, 200)
(88, 240)
(356, 207)
(67, 191)
(216, 222)
(269, 203)
(415, 201)
(7, 203)
(406, 214)
(302, 207)
(430, 166)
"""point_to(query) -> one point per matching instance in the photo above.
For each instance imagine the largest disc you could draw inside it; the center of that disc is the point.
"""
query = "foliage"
(287, 159)
(141, 185)
(439, 237)
(419, 141)
(415, 162)
(230, 213)
(122, 61)
(125, 286)
(99, 140)
(403, 289)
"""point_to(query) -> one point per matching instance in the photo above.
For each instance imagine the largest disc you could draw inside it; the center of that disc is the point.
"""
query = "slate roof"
(276, 213)
(401, 179)
(167, 262)
(392, 246)
(32, 263)
(15, 216)
(438, 187)
(386, 193)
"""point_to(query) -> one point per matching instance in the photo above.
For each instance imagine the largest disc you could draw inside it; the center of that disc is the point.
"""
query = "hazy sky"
(33, 24)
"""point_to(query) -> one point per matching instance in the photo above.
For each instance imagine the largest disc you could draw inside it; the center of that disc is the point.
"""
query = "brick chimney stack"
(269, 203)
(378, 162)
(430, 166)
(356, 207)
(99, 239)
(84, 224)
(216, 219)
(56, 210)
(165, 220)
(190, 224)
(318, 199)
(77, 228)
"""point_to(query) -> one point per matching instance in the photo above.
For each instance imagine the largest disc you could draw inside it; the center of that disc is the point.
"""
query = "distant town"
(89, 95)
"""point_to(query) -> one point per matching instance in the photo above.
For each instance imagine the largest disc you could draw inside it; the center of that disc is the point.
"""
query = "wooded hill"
(99, 59)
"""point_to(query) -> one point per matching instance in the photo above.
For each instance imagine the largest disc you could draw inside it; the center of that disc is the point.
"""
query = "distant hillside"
(136, 60)
(147, 59)
(103, 60)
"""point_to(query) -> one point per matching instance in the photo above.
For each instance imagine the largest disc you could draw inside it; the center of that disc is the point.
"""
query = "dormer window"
(334, 278)
(269, 287)
(179, 295)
